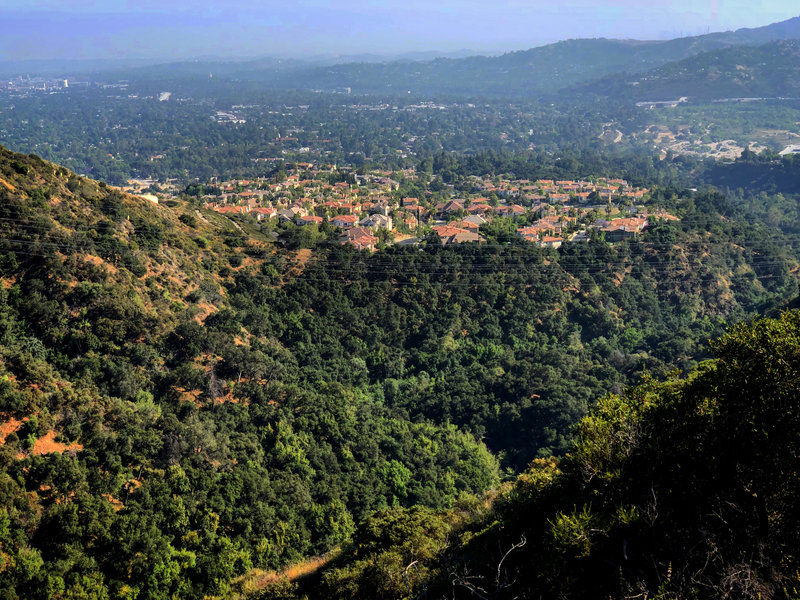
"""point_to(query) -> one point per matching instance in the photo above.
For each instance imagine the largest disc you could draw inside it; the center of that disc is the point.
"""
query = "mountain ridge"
(765, 71)
(530, 72)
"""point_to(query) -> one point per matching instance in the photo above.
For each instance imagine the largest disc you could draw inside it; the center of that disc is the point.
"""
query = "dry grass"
(48, 444)
(205, 310)
(301, 258)
(248, 262)
(115, 502)
(230, 398)
(12, 425)
(99, 262)
(258, 579)
(207, 361)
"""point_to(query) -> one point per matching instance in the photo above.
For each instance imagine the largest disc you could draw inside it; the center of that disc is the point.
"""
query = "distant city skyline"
(179, 29)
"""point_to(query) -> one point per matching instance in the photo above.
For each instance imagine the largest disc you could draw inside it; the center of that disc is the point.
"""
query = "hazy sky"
(171, 29)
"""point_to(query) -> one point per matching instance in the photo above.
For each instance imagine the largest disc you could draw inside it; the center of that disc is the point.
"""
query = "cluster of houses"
(548, 231)
(548, 212)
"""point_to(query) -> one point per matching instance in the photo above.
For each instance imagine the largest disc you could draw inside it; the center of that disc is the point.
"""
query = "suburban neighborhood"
(370, 208)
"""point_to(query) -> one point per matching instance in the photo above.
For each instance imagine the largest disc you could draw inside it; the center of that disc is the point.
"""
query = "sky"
(178, 29)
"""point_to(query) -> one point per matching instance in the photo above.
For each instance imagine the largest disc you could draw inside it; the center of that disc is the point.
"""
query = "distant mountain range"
(292, 69)
(702, 66)
(531, 72)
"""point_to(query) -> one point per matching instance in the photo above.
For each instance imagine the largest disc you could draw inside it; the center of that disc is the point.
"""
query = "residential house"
(262, 213)
(299, 210)
(476, 219)
(344, 221)
(624, 229)
(453, 235)
(660, 214)
(536, 198)
(309, 219)
(550, 242)
(446, 209)
(579, 236)
(385, 182)
(377, 221)
(530, 234)
(582, 197)
(286, 215)
(552, 222)
(410, 221)
(479, 208)
(636, 195)
(360, 237)
(381, 206)
(464, 224)
(515, 210)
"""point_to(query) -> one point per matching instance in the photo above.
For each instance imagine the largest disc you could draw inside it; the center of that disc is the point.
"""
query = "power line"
(512, 263)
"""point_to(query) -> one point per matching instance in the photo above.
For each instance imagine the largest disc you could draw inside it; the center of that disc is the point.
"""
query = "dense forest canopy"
(184, 400)
(685, 488)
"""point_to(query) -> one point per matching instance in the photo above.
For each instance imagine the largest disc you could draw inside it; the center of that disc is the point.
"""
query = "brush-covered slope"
(150, 447)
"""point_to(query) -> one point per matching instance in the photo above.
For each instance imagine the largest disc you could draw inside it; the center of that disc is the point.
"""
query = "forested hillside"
(759, 173)
(685, 488)
(151, 447)
(182, 399)
(768, 71)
